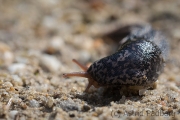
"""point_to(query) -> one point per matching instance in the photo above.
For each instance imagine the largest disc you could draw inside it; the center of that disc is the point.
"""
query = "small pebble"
(12, 114)
(49, 22)
(142, 91)
(23, 105)
(71, 115)
(5, 95)
(68, 105)
(86, 108)
(33, 103)
(50, 102)
(6, 55)
(17, 67)
(17, 80)
(85, 55)
(54, 45)
(7, 84)
(50, 63)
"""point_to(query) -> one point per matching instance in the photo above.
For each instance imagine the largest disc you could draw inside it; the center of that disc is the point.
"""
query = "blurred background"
(39, 38)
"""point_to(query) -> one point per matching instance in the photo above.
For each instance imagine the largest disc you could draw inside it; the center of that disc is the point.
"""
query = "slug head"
(84, 73)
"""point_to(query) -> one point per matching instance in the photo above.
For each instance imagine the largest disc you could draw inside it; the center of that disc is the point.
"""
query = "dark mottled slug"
(138, 61)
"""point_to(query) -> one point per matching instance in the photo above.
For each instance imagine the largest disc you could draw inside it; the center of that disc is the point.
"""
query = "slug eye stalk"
(82, 74)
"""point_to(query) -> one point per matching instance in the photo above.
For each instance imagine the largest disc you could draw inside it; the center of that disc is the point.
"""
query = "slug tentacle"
(91, 82)
(78, 74)
(83, 67)
(82, 74)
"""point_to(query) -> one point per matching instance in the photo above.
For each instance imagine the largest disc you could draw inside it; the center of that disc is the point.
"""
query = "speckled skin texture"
(138, 61)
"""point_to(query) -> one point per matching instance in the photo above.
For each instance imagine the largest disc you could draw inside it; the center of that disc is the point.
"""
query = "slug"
(138, 61)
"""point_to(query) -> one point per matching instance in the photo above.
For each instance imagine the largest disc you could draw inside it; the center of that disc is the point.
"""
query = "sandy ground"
(39, 39)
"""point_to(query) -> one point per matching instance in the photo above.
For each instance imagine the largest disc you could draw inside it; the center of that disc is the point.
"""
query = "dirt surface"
(39, 39)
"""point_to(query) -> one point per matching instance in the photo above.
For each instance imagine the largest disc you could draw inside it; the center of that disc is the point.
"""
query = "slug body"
(138, 61)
